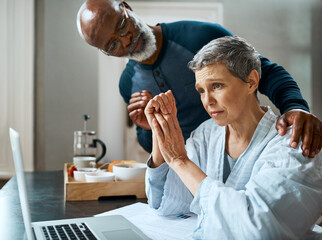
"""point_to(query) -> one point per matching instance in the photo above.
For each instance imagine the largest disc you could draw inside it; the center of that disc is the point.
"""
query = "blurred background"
(49, 77)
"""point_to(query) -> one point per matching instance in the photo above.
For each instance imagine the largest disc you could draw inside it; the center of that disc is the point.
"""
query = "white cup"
(84, 162)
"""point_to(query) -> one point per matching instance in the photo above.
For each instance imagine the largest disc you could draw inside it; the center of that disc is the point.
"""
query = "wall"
(287, 32)
(66, 82)
(283, 32)
(16, 81)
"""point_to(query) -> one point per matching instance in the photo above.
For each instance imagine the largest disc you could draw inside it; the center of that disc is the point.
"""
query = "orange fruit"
(110, 166)
(128, 161)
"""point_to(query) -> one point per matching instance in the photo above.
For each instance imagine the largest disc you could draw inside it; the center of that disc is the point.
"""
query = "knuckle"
(297, 127)
(162, 123)
(167, 117)
(130, 108)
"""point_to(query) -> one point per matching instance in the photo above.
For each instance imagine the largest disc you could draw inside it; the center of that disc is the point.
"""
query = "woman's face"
(223, 95)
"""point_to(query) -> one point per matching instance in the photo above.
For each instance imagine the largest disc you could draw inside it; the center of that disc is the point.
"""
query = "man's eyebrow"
(118, 22)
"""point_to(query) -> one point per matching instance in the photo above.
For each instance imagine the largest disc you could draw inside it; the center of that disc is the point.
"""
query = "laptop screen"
(16, 152)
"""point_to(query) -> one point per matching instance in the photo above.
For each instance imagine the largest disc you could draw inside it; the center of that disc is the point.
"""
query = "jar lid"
(80, 133)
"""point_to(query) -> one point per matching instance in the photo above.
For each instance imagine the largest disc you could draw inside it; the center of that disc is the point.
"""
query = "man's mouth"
(136, 45)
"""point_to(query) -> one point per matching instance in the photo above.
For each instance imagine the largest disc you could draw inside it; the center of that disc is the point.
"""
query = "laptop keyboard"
(68, 231)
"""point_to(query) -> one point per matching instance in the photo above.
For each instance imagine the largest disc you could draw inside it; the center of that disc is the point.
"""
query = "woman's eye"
(200, 91)
(217, 85)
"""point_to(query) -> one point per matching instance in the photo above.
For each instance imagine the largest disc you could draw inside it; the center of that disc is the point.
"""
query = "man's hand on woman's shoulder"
(304, 125)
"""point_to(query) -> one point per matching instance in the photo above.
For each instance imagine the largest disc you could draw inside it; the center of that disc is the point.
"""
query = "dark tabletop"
(46, 202)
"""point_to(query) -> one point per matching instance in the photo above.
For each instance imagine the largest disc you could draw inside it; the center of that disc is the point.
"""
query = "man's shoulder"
(128, 71)
(192, 34)
(189, 24)
(125, 83)
(175, 30)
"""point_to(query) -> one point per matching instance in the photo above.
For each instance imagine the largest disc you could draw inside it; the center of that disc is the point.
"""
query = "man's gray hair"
(239, 57)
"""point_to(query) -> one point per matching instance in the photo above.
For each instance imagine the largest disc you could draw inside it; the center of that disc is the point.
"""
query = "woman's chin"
(220, 122)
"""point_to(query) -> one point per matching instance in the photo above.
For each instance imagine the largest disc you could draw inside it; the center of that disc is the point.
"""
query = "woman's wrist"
(156, 160)
(190, 174)
(178, 163)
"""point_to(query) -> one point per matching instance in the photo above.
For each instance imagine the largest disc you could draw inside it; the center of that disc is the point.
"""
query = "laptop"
(105, 227)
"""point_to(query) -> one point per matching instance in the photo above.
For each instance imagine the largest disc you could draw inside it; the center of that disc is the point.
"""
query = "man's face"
(117, 32)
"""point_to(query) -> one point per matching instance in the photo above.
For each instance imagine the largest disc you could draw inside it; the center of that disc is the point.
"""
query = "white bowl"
(100, 177)
(129, 171)
(79, 174)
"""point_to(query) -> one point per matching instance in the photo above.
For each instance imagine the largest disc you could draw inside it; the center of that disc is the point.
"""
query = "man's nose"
(126, 40)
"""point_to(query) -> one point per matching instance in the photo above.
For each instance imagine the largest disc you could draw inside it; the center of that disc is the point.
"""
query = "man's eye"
(123, 27)
(113, 46)
(123, 24)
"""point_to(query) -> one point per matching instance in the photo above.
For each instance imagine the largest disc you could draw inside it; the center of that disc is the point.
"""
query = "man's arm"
(278, 85)
(136, 111)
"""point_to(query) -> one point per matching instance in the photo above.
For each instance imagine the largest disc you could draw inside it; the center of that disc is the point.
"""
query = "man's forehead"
(101, 3)
(98, 16)
(97, 6)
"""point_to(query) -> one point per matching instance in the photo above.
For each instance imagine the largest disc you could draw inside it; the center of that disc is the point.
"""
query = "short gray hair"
(239, 57)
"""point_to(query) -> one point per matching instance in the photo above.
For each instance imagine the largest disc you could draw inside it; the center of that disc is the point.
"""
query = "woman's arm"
(173, 150)
(168, 136)
(165, 190)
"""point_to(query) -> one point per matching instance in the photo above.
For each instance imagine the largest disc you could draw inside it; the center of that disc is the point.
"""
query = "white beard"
(149, 42)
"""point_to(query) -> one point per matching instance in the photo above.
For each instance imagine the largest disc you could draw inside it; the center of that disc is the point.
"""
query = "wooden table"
(46, 202)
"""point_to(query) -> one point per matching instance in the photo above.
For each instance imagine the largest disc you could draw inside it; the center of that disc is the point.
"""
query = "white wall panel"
(17, 77)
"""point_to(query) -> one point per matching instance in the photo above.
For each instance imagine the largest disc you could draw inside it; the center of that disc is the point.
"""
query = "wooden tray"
(77, 191)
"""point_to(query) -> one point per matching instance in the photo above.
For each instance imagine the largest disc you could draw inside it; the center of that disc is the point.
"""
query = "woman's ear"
(253, 81)
(127, 5)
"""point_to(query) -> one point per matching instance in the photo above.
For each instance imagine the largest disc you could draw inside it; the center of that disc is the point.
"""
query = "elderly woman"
(242, 179)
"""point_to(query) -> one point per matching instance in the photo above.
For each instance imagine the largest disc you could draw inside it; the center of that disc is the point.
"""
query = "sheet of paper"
(157, 227)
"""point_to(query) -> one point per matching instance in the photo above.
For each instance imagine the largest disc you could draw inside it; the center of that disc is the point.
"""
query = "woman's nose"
(209, 99)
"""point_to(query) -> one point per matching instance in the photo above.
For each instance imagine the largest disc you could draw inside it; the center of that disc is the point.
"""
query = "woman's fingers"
(156, 128)
(163, 123)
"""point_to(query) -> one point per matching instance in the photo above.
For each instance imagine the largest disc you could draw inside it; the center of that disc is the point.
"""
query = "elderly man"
(158, 62)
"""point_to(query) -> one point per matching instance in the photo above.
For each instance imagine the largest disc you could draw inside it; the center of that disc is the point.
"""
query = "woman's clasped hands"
(168, 141)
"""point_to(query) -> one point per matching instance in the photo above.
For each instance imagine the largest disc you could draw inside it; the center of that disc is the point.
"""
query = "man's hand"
(138, 102)
(304, 124)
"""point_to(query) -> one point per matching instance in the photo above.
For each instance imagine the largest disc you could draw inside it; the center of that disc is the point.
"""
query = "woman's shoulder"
(279, 154)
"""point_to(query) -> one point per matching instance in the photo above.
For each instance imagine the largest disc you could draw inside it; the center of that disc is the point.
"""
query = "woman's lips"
(215, 113)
